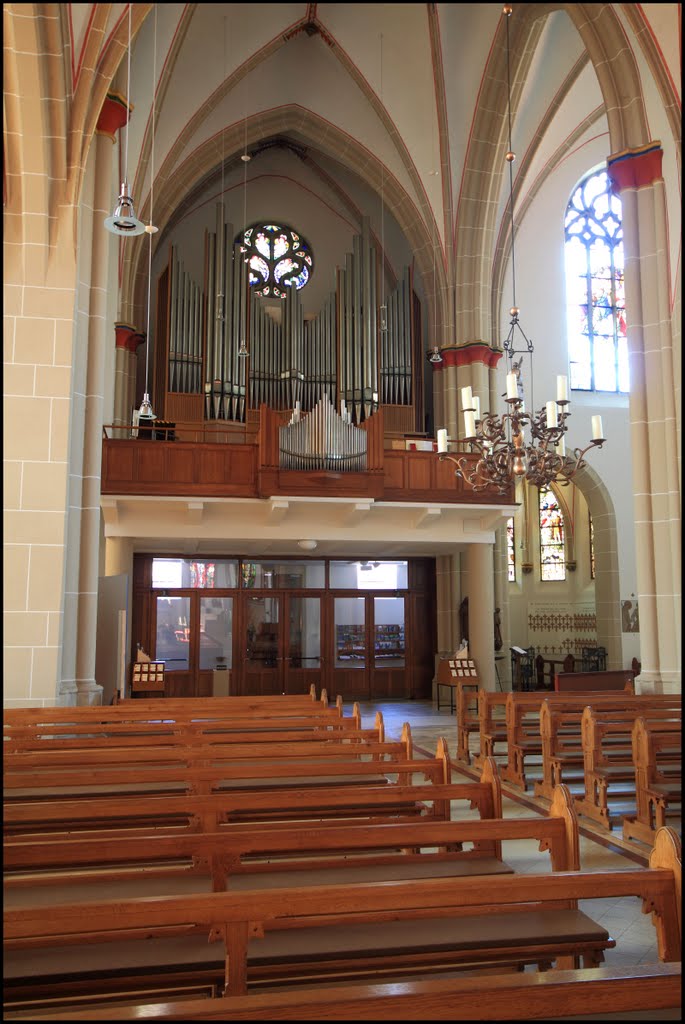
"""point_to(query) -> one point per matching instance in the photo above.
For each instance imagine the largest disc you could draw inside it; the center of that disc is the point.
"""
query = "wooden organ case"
(221, 354)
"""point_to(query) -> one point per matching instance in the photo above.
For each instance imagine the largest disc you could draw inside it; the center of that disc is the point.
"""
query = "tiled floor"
(634, 932)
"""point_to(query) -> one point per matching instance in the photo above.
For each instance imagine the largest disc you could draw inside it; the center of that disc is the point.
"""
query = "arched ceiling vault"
(314, 75)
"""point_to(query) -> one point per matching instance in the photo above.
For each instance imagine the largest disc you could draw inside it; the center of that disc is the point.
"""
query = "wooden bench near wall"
(396, 929)
(616, 679)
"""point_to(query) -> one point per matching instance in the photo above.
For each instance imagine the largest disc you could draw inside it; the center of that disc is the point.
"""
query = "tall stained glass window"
(552, 562)
(279, 259)
(511, 559)
(596, 314)
(592, 547)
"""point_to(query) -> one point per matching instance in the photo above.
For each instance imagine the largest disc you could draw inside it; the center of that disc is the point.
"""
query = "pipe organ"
(185, 335)
(323, 439)
(226, 325)
(294, 360)
(358, 329)
(341, 355)
(396, 346)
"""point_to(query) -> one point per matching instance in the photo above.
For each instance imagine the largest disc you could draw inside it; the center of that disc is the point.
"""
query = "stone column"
(480, 590)
(636, 175)
(77, 682)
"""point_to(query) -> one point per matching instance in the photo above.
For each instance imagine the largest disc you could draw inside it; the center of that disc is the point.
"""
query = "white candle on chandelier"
(562, 388)
(442, 441)
(476, 406)
(466, 398)
(469, 423)
(597, 434)
(561, 448)
(512, 386)
(551, 414)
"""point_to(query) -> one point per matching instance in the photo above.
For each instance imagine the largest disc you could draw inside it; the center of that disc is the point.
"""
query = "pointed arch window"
(596, 314)
(592, 547)
(552, 561)
(511, 556)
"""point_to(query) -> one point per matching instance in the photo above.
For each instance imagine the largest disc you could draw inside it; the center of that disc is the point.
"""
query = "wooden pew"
(611, 993)
(468, 722)
(524, 740)
(560, 734)
(491, 724)
(657, 759)
(52, 871)
(279, 787)
(273, 757)
(522, 715)
(299, 935)
(83, 735)
(165, 708)
(603, 777)
(621, 679)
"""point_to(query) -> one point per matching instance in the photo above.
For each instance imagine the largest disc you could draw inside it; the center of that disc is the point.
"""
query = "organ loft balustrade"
(224, 459)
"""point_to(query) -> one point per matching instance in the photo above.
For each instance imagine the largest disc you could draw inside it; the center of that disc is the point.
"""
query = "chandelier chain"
(497, 454)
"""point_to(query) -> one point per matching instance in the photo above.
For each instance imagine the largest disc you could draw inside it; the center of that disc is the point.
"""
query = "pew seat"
(650, 992)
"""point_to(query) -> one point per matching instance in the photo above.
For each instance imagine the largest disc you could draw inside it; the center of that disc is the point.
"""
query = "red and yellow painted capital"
(113, 116)
(127, 337)
(635, 168)
(467, 355)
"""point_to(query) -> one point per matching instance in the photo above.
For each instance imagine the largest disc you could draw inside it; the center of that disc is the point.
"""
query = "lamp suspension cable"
(245, 157)
(124, 221)
(146, 405)
(435, 356)
(220, 315)
(383, 310)
(498, 454)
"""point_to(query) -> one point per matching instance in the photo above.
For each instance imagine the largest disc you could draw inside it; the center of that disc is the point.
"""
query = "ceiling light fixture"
(146, 411)
(503, 454)
(124, 221)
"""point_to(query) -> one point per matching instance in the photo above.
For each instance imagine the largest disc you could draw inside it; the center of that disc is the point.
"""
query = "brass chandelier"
(504, 454)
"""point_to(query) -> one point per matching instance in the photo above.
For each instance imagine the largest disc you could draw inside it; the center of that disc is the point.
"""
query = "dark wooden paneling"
(233, 470)
(118, 461)
(211, 464)
(242, 464)
(394, 470)
(180, 465)
(151, 461)
(420, 469)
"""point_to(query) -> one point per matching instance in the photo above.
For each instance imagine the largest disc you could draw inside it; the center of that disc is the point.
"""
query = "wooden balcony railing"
(226, 460)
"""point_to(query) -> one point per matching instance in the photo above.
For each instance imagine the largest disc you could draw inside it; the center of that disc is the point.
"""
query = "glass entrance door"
(262, 666)
(350, 647)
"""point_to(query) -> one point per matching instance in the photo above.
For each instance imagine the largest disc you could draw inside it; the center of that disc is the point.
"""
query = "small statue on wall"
(498, 630)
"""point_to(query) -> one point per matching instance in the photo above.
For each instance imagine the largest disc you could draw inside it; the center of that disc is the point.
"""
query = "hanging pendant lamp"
(124, 221)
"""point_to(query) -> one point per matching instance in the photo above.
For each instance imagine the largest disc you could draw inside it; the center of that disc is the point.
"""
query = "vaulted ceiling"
(410, 98)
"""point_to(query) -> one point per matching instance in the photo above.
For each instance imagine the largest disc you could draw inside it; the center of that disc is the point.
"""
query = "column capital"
(127, 337)
(467, 354)
(635, 168)
(114, 114)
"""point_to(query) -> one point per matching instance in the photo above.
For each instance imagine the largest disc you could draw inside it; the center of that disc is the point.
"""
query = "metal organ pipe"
(322, 440)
